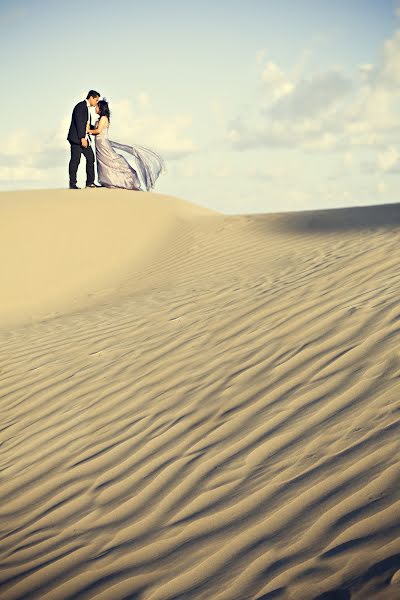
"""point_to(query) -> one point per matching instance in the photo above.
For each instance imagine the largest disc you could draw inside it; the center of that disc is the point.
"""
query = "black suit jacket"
(77, 129)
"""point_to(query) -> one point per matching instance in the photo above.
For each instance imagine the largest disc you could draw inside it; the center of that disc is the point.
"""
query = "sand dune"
(61, 248)
(198, 406)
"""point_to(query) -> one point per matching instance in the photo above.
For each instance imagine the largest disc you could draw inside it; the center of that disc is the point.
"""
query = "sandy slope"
(60, 247)
(212, 414)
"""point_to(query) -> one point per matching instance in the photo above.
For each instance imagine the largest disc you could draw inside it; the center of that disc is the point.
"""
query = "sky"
(257, 106)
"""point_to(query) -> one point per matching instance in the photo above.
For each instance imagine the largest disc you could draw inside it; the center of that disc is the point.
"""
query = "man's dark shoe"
(94, 185)
(74, 187)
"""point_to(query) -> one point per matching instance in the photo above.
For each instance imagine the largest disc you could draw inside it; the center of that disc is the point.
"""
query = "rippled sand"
(197, 406)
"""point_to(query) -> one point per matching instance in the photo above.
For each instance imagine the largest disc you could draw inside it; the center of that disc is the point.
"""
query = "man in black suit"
(79, 141)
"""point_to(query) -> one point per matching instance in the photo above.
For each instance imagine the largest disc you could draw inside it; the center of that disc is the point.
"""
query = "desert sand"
(195, 405)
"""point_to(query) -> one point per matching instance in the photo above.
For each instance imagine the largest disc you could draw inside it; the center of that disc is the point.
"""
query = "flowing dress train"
(115, 171)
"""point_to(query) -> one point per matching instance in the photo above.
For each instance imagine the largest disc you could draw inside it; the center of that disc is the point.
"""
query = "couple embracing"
(113, 169)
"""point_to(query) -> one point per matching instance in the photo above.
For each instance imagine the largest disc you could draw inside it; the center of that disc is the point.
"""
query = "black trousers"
(76, 151)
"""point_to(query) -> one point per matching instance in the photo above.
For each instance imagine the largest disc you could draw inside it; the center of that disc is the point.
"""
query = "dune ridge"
(222, 423)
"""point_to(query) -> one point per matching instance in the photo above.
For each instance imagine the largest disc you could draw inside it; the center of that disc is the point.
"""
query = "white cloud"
(28, 157)
(366, 70)
(184, 170)
(275, 82)
(329, 111)
(217, 109)
(309, 98)
(265, 174)
(166, 134)
(306, 133)
(18, 142)
(389, 160)
(18, 156)
(21, 173)
(144, 99)
(221, 170)
(348, 159)
(389, 73)
(381, 187)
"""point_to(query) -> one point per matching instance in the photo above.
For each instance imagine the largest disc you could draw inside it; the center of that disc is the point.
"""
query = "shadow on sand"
(331, 220)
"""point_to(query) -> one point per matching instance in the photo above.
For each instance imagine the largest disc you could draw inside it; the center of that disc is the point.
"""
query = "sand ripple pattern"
(225, 427)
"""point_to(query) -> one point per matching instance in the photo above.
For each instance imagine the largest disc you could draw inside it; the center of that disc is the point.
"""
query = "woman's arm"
(100, 127)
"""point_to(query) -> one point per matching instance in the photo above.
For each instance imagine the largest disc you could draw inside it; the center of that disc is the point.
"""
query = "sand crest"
(197, 406)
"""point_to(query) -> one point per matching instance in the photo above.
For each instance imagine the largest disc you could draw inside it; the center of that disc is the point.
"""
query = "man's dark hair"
(92, 94)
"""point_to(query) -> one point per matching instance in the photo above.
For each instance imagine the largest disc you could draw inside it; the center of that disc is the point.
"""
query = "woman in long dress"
(113, 169)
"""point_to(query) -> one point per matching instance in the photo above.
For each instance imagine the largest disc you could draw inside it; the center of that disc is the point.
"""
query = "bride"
(114, 171)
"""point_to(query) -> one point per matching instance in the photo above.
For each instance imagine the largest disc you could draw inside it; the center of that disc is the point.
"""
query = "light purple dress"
(114, 171)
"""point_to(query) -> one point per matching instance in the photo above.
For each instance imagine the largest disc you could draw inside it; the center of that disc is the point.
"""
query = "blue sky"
(256, 106)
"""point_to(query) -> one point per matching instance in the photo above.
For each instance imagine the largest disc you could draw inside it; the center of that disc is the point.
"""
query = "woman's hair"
(104, 111)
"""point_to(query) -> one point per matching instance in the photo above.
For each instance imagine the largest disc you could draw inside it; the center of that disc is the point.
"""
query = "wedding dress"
(115, 171)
